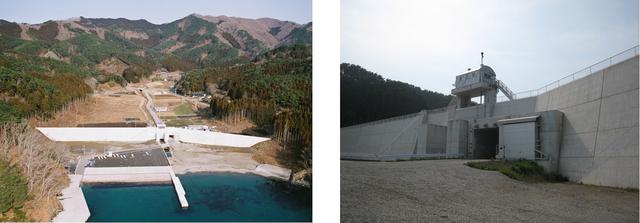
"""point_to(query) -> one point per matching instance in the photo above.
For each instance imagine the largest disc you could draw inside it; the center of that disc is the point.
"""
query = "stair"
(505, 90)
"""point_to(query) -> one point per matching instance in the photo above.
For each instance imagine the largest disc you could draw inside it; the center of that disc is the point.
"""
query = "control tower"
(479, 83)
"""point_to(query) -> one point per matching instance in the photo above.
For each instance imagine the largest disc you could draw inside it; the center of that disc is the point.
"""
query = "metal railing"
(629, 53)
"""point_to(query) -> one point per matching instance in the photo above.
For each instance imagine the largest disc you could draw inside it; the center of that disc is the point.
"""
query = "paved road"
(448, 191)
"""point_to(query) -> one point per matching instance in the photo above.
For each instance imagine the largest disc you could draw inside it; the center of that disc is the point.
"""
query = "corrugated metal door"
(519, 140)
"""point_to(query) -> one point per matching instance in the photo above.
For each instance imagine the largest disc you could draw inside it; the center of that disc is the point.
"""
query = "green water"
(212, 197)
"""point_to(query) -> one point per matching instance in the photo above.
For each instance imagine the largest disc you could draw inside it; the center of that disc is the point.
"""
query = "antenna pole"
(481, 58)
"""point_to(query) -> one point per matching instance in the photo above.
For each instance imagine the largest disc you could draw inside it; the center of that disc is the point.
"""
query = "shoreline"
(272, 172)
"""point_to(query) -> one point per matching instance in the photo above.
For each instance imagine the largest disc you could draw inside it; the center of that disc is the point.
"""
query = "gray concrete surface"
(448, 191)
(74, 206)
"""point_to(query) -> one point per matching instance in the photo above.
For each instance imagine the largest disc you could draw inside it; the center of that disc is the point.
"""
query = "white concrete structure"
(142, 174)
(268, 170)
(582, 127)
(80, 134)
(213, 138)
(177, 185)
(74, 206)
(152, 111)
(99, 134)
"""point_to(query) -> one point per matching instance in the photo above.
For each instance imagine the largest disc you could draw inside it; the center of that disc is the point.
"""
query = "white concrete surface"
(64, 134)
(74, 206)
(214, 138)
(71, 134)
(143, 174)
(177, 185)
(268, 170)
(152, 111)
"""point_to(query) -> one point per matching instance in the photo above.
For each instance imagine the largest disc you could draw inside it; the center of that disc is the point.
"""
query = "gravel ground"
(447, 190)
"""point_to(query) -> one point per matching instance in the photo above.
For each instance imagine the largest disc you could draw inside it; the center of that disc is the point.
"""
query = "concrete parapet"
(147, 174)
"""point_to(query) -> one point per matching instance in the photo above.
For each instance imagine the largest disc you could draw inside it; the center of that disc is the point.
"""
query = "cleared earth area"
(112, 108)
(449, 191)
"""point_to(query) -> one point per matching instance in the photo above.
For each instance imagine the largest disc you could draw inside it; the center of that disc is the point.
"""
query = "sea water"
(211, 197)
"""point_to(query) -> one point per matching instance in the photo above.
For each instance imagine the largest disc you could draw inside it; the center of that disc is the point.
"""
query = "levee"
(599, 142)
(418, 135)
(79, 134)
(585, 129)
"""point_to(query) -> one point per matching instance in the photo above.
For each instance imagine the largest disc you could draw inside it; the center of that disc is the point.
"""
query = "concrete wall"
(438, 117)
(385, 137)
(156, 174)
(550, 133)
(100, 134)
(214, 138)
(457, 137)
(594, 119)
(417, 135)
(436, 139)
(600, 126)
(146, 134)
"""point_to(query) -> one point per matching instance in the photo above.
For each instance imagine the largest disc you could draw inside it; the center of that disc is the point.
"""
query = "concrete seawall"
(147, 174)
(598, 139)
(149, 133)
(600, 128)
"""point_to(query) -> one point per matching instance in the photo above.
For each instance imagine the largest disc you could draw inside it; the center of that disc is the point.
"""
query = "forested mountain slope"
(273, 91)
(44, 66)
(195, 39)
(366, 96)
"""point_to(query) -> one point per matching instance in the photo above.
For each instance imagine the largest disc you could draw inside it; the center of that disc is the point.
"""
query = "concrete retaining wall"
(100, 134)
(384, 137)
(418, 135)
(214, 138)
(600, 127)
(145, 174)
(149, 133)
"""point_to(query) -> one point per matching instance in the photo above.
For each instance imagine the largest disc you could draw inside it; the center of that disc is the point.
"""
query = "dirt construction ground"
(102, 108)
(448, 191)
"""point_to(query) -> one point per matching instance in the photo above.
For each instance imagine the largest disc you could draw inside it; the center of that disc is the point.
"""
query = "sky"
(154, 11)
(529, 44)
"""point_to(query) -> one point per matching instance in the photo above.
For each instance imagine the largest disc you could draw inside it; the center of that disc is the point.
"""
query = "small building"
(161, 109)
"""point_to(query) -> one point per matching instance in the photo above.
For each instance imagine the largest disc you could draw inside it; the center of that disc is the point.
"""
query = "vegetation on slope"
(32, 86)
(13, 194)
(274, 91)
(31, 174)
(366, 96)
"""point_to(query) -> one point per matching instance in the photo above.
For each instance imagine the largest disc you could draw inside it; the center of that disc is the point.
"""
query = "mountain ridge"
(197, 39)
